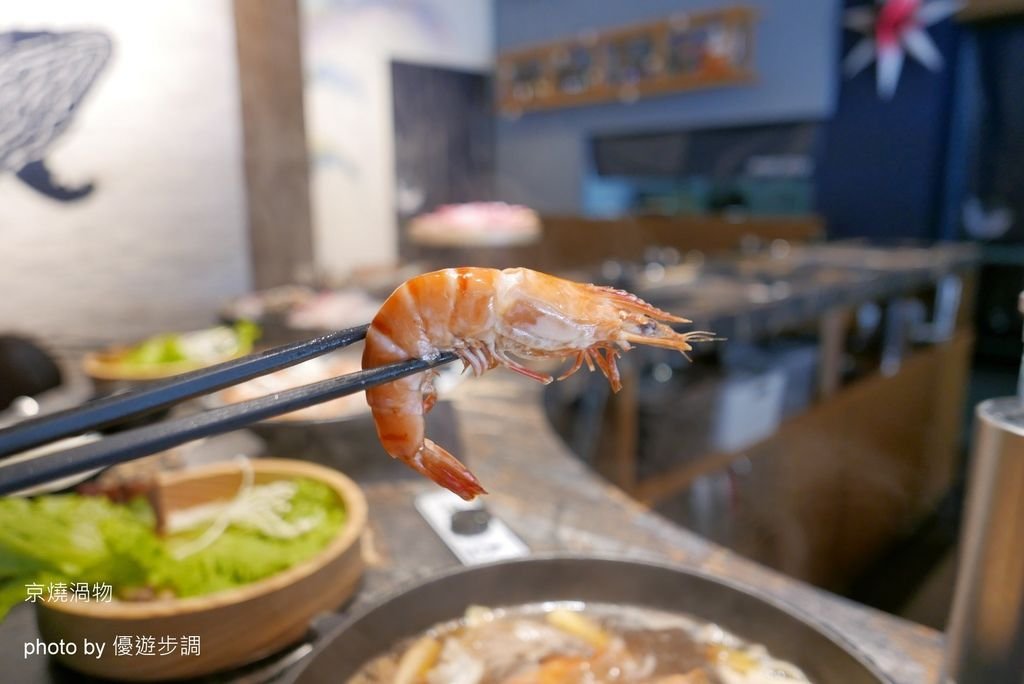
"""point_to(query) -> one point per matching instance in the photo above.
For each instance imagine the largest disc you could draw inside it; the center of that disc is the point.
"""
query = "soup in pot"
(576, 643)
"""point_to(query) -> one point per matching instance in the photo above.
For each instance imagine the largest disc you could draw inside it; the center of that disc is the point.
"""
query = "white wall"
(161, 242)
(348, 47)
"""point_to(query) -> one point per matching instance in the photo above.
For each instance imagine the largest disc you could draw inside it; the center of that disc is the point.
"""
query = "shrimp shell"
(487, 316)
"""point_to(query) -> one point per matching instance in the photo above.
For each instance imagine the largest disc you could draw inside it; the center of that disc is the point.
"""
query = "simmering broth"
(576, 643)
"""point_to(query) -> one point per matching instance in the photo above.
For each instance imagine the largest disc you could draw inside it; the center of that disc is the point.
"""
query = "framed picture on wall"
(686, 51)
(716, 46)
(686, 48)
(528, 79)
(575, 68)
(633, 58)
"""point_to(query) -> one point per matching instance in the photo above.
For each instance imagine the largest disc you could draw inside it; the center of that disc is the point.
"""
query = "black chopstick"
(121, 407)
(143, 441)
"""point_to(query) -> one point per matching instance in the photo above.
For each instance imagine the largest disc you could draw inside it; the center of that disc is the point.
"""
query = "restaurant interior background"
(855, 236)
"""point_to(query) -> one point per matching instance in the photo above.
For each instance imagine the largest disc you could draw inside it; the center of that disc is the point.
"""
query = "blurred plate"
(344, 409)
(53, 485)
(350, 409)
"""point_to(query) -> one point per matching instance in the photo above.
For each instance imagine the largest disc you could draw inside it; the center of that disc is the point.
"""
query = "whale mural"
(44, 77)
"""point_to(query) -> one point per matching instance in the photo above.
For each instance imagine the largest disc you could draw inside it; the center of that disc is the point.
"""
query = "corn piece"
(737, 661)
(417, 661)
(580, 626)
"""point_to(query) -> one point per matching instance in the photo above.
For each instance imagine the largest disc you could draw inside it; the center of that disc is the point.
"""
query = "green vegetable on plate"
(73, 538)
(209, 345)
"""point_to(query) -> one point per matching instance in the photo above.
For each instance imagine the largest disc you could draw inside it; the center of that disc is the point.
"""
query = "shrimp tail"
(433, 461)
(633, 304)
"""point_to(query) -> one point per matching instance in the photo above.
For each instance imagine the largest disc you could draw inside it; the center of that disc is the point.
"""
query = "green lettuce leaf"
(73, 538)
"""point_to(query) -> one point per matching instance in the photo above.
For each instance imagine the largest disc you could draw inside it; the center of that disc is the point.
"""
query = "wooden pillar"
(268, 35)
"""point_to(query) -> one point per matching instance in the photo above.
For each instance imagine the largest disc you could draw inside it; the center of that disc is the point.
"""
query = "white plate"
(53, 485)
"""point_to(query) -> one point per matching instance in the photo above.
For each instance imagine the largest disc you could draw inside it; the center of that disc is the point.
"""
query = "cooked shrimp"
(486, 316)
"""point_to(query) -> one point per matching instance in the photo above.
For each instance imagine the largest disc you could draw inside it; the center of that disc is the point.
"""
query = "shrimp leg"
(575, 366)
(542, 378)
(607, 365)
